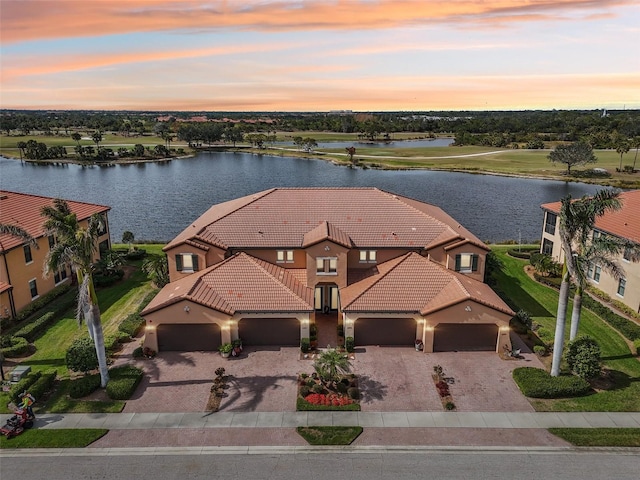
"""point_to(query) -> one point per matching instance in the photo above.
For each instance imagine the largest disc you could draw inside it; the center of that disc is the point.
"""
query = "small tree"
(351, 151)
(330, 365)
(583, 357)
(81, 355)
(157, 268)
(128, 237)
(622, 147)
(76, 137)
(579, 153)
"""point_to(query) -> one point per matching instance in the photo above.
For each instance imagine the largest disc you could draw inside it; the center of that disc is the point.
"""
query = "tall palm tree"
(17, 231)
(577, 219)
(76, 246)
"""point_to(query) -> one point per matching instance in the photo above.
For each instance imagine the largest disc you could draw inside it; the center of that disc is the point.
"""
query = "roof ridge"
(3, 191)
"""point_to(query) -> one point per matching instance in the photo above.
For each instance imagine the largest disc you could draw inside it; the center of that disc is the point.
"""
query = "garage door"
(188, 337)
(385, 331)
(468, 337)
(270, 331)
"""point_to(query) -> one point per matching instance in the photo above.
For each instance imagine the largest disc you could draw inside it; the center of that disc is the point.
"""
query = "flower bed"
(315, 395)
(331, 399)
(442, 385)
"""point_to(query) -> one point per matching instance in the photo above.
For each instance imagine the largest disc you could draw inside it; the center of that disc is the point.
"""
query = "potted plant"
(419, 345)
(225, 349)
(237, 346)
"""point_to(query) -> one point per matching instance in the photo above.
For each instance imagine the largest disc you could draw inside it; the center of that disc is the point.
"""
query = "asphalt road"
(95, 464)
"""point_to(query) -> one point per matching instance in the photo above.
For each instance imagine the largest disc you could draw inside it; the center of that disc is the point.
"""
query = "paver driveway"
(391, 379)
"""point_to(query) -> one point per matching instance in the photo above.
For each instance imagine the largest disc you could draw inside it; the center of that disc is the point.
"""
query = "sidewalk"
(486, 420)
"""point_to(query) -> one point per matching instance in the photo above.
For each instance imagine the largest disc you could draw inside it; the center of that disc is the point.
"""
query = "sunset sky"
(362, 55)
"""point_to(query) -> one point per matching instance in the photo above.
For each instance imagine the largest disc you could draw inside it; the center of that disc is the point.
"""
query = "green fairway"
(541, 302)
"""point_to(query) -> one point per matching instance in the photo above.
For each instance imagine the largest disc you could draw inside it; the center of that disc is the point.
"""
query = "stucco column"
(429, 331)
(233, 330)
(304, 326)
(348, 326)
(504, 339)
(150, 337)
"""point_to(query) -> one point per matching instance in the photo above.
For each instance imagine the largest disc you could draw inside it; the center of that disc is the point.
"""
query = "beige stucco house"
(624, 224)
(21, 265)
(386, 268)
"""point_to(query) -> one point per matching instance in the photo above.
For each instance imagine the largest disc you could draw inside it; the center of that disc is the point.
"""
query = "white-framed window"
(466, 262)
(52, 241)
(626, 255)
(60, 275)
(550, 223)
(590, 270)
(33, 287)
(596, 273)
(284, 256)
(622, 285)
(547, 247)
(596, 234)
(186, 262)
(368, 256)
(28, 257)
(327, 265)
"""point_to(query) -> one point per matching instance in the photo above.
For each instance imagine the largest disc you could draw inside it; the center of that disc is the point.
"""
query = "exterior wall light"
(187, 309)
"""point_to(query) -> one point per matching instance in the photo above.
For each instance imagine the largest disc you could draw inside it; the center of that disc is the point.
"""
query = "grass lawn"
(541, 302)
(329, 435)
(599, 437)
(60, 438)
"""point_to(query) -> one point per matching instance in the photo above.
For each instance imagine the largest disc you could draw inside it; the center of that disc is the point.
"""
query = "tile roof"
(293, 217)
(4, 287)
(624, 223)
(23, 210)
(413, 283)
(241, 283)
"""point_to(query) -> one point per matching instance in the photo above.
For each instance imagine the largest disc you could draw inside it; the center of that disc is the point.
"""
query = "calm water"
(156, 201)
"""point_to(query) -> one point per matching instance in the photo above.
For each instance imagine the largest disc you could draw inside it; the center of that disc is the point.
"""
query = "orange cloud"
(30, 20)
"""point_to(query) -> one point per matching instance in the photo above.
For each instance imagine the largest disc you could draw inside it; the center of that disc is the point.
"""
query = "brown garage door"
(269, 331)
(188, 337)
(385, 331)
(466, 337)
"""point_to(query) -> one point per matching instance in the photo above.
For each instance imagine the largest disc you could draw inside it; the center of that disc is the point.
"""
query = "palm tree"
(622, 147)
(577, 219)
(76, 246)
(97, 138)
(17, 231)
(157, 268)
(128, 237)
(21, 146)
(330, 365)
(636, 144)
(76, 137)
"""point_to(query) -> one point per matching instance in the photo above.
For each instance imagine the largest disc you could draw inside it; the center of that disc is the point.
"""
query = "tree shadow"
(518, 298)
(246, 393)
(370, 389)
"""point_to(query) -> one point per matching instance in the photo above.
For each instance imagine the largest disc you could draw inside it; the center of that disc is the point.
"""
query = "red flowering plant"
(330, 399)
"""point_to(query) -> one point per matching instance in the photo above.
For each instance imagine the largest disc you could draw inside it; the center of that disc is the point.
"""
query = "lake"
(156, 201)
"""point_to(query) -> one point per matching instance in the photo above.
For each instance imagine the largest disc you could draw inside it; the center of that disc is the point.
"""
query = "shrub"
(81, 355)
(539, 350)
(524, 253)
(353, 393)
(341, 330)
(305, 344)
(310, 382)
(22, 385)
(41, 302)
(42, 385)
(317, 388)
(537, 383)
(16, 346)
(331, 399)
(544, 334)
(626, 327)
(342, 388)
(132, 324)
(350, 344)
(304, 391)
(137, 352)
(450, 406)
(136, 254)
(84, 386)
(583, 357)
(111, 343)
(101, 280)
(636, 344)
(123, 382)
(524, 318)
(31, 330)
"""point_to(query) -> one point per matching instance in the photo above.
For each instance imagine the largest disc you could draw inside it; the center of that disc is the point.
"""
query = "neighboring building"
(624, 224)
(387, 268)
(21, 265)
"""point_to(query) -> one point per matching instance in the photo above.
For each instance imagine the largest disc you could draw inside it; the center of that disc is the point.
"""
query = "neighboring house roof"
(623, 223)
(413, 283)
(24, 210)
(241, 283)
(297, 217)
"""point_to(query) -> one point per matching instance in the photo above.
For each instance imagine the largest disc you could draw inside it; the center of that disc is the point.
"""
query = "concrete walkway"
(475, 420)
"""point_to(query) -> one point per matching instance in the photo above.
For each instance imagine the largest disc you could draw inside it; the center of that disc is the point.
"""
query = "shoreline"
(330, 157)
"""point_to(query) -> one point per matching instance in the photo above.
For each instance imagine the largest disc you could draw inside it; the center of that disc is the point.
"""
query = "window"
(33, 286)
(327, 265)
(284, 256)
(590, 270)
(626, 256)
(466, 263)
(550, 223)
(368, 256)
(52, 241)
(547, 247)
(596, 234)
(186, 262)
(596, 273)
(60, 275)
(622, 284)
(103, 228)
(28, 258)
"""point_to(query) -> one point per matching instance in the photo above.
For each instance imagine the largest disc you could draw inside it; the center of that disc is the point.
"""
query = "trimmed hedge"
(43, 385)
(524, 253)
(16, 346)
(636, 344)
(41, 302)
(107, 280)
(537, 383)
(22, 385)
(123, 382)
(626, 327)
(136, 254)
(31, 330)
(81, 387)
(81, 355)
(132, 324)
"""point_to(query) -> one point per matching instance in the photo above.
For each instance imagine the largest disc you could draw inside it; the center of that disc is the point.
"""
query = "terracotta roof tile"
(293, 217)
(24, 210)
(413, 283)
(624, 223)
(241, 283)
(4, 287)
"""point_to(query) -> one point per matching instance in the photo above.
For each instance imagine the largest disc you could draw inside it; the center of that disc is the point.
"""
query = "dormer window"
(466, 263)
(186, 262)
(327, 265)
(368, 256)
